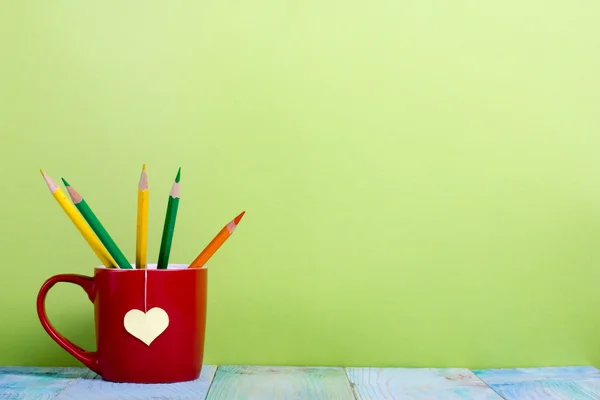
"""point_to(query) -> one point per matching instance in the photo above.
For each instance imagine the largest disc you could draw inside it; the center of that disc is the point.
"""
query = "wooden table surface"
(231, 382)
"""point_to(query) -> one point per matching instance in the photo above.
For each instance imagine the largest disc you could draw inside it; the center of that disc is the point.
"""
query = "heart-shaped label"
(146, 326)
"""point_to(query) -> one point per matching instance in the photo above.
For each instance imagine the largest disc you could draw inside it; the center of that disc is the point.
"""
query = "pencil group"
(106, 249)
(81, 225)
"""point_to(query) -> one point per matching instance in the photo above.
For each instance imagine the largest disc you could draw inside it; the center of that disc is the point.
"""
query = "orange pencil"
(218, 240)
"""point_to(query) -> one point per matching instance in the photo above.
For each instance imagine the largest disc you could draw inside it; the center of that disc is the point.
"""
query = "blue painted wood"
(279, 383)
(94, 388)
(418, 383)
(272, 383)
(550, 383)
(35, 383)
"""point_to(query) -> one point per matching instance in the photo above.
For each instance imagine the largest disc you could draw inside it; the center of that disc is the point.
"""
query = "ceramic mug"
(150, 323)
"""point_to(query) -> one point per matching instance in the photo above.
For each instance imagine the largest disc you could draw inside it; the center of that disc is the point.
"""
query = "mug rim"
(170, 268)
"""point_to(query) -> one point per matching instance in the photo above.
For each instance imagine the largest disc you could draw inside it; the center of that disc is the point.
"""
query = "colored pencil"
(141, 245)
(169, 227)
(97, 227)
(217, 242)
(79, 222)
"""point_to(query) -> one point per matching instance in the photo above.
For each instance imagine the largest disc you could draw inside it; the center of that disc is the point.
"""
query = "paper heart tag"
(146, 326)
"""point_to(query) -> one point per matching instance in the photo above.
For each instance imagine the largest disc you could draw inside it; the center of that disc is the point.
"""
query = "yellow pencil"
(142, 221)
(79, 222)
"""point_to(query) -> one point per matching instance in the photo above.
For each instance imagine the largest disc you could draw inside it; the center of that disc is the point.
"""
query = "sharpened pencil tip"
(178, 175)
(239, 217)
(51, 184)
(75, 197)
(65, 182)
(143, 185)
(144, 167)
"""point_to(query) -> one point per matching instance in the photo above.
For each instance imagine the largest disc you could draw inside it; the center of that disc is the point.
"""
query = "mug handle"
(88, 358)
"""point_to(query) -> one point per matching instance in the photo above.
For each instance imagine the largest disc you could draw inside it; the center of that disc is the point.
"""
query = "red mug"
(150, 323)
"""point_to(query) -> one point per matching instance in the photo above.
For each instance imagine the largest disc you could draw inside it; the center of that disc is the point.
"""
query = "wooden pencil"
(141, 245)
(79, 223)
(97, 227)
(169, 227)
(217, 242)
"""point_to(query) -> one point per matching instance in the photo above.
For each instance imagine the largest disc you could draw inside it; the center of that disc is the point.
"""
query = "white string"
(145, 289)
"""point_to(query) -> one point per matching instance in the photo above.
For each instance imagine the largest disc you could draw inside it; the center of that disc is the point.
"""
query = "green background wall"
(420, 177)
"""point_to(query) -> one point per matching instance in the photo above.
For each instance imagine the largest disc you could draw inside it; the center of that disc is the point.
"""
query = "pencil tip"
(239, 217)
(51, 184)
(143, 179)
(178, 175)
(65, 182)
(75, 197)
(144, 167)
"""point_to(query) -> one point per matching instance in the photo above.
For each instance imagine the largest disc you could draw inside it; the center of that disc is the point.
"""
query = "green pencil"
(167, 236)
(94, 223)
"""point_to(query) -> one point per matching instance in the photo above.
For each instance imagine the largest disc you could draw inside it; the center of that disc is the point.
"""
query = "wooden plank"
(95, 388)
(272, 383)
(35, 383)
(418, 383)
(550, 383)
